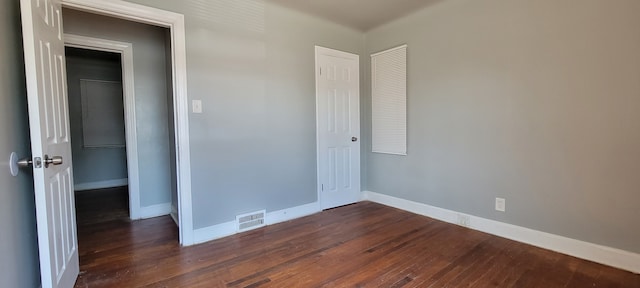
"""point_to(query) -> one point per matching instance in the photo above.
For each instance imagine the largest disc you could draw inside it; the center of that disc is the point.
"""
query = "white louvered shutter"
(389, 101)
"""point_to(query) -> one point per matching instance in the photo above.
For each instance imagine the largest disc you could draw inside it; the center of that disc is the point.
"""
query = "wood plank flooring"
(101, 205)
(361, 245)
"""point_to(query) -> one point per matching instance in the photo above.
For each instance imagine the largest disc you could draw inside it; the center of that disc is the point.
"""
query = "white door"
(338, 127)
(50, 142)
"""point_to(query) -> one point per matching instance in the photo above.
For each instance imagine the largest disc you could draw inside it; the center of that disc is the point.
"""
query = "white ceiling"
(359, 14)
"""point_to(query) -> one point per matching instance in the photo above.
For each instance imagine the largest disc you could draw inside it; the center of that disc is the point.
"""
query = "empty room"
(290, 143)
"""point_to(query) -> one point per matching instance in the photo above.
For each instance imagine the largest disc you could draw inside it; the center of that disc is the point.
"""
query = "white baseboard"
(213, 232)
(229, 228)
(155, 210)
(292, 213)
(593, 252)
(101, 184)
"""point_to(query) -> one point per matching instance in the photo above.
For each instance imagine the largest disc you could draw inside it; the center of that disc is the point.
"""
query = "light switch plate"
(197, 106)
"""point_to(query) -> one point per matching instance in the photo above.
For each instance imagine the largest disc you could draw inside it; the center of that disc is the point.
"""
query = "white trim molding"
(129, 97)
(229, 228)
(214, 232)
(155, 210)
(100, 184)
(175, 23)
(292, 213)
(593, 252)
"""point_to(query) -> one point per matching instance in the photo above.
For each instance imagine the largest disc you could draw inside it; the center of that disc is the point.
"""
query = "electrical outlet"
(501, 204)
(197, 106)
(464, 220)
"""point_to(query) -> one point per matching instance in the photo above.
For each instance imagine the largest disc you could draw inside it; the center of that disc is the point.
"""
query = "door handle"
(354, 139)
(37, 161)
(26, 162)
(55, 160)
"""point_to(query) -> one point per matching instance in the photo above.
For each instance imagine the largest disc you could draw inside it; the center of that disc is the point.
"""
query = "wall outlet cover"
(464, 220)
(501, 204)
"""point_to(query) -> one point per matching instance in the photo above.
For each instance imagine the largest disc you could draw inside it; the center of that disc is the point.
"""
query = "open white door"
(50, 141)
(338, 127)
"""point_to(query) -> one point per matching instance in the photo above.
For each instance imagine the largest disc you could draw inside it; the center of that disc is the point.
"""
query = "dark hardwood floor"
(102, 205)
(361, 245)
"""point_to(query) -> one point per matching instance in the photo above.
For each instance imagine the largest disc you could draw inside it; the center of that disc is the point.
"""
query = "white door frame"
(126, 53)
(319, 50)
(175, 23)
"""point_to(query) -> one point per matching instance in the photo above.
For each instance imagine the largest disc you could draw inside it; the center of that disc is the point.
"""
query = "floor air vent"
(250, 220)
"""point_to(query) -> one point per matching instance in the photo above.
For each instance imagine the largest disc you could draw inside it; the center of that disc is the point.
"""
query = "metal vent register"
(250, 220)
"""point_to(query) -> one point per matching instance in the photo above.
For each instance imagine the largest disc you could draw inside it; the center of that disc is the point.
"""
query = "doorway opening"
(43, 46)
(97, 128)
(175, 52)
(118, 113)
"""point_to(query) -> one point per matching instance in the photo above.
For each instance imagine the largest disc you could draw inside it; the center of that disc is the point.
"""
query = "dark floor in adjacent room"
(360, 245)
(102, 205)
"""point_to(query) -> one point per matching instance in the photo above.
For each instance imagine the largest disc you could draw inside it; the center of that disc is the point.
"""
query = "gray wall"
(252, 65)
(150, 92)
(93, 164)
(18, 246)
(534, 101)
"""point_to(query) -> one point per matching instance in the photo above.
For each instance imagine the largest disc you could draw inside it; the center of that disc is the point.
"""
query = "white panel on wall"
(389, 101)
(102, 113)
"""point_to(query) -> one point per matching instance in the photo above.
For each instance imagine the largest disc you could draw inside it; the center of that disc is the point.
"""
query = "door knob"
(354, 139)
(26, 162)
(55, 160)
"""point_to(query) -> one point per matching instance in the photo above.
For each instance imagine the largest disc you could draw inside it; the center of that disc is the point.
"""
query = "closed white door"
(338, 127)
(50, 141)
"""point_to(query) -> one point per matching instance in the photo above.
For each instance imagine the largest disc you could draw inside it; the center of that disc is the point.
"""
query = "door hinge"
(322, 187)
(320, 71)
